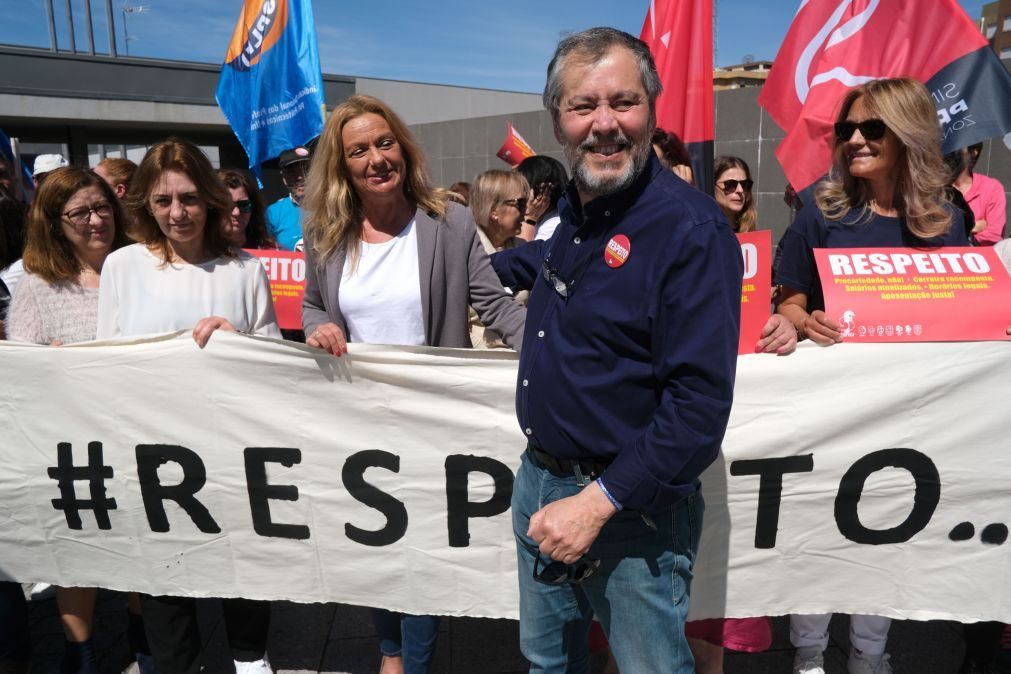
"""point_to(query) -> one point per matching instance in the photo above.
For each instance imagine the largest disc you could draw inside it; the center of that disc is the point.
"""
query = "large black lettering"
(395, 512)
(459, 508)
(260, 492)
(154, 493)
(770, 490)
(925, 498)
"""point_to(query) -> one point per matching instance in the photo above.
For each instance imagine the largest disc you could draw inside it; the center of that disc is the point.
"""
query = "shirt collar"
(615, 205)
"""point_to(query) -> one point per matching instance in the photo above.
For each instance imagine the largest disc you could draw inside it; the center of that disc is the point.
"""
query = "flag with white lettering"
(271, 86)
(680, 37)
(834, 45)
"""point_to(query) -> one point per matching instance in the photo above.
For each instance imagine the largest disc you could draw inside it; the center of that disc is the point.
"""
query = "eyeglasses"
(557, 573)
(555, 280)
(729, 186)
(521, 204)
(80, 217)
(870, 129)
(244, 205)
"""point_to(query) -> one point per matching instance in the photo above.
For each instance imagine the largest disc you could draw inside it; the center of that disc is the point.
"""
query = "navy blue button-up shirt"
(637, 364)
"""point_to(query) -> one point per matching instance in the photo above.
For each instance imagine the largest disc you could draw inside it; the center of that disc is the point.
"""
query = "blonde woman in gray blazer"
(390, 260)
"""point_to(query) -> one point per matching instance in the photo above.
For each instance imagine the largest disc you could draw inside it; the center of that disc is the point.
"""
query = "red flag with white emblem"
(834, 45)
(680, 37)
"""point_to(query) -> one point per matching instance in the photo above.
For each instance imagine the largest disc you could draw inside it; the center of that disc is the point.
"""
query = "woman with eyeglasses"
(733, 192)
(74, 223)
(390, 260)
(886, 188)
(247, 223)
(184, 274)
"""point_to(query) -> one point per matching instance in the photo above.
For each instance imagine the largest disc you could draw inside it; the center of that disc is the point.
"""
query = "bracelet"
(614, 501)
(530, 221)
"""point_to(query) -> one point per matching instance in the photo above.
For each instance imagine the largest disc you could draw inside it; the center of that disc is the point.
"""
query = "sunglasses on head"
(557, 573)
(730, 186)
(870, 129)
(244, 205)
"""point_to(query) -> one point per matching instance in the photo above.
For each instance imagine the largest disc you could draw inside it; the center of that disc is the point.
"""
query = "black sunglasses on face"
(730, 186)
(870, 129)
(244, 205)
(521, 204)
(557, 573)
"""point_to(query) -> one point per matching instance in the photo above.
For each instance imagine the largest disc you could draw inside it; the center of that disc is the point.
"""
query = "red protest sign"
(913, 295)
(286, 272)
(756, 292)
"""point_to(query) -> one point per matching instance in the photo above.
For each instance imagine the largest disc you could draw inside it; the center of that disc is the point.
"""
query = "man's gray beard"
(597, 186)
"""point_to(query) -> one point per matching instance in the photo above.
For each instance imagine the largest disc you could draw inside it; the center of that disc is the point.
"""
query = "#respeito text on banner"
(680, 38)
(271, 86)
(834, 45)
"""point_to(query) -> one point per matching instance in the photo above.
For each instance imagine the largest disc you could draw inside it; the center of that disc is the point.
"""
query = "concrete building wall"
(419, 103)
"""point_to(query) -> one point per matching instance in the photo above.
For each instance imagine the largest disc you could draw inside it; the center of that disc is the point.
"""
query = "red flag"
(834, 45)
(514, 150)
(680, 37)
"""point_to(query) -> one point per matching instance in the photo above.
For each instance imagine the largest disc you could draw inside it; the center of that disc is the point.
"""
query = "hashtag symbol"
(66, 473)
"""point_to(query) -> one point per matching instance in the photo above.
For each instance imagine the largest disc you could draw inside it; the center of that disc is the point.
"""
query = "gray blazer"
(455, 272)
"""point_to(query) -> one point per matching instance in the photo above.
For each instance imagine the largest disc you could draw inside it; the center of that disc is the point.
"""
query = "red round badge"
(617, 251)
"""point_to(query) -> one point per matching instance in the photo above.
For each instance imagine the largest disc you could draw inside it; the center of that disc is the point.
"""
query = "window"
(1007, 23)
(1005, 53)
(991, 30)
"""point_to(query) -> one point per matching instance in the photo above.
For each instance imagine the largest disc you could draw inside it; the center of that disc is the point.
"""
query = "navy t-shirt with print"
(795, 265)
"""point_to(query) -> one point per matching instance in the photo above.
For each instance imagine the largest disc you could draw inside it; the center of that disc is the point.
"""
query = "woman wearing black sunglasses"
(886, 188)
(247, 224)
(733, 192)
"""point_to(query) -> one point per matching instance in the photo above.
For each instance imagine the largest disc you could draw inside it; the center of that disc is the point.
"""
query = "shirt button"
(577, 241)
(607, 213)
(540, 333)
(526, 382)
(529, 432)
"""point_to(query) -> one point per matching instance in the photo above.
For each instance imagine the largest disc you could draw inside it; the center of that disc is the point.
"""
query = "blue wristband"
(614, 501)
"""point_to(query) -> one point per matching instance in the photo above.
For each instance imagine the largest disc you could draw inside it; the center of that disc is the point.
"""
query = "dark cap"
(293, 156)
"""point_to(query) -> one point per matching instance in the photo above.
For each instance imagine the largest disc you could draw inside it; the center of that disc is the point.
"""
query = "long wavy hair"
(176, 154)
(747, 219)
(904, 105)
(257, 234)
(333, 210)
(48, 253)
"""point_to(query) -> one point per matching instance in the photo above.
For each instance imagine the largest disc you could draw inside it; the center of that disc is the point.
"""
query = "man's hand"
(778, 336)
(566, 528)
(822, 330)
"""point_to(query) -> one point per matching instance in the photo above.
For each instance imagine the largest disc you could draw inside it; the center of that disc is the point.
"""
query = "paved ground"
(318, 638)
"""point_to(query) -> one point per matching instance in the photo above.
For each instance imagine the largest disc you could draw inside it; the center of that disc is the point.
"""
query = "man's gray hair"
(591, 46)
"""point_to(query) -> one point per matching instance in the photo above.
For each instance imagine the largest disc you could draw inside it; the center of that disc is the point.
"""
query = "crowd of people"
(619, 286)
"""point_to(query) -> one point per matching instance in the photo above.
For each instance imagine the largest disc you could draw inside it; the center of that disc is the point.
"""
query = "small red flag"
(833, 46)
(514, 150)
(680, 37)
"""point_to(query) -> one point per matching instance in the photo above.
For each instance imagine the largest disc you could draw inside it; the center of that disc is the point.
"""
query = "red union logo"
(830, 35)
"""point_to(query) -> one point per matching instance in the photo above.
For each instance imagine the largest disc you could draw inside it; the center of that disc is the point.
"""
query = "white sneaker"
(261, 666)
(860, 663)
(808, 661)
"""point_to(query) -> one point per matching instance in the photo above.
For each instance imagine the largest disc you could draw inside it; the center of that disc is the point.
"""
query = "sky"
(496, 45)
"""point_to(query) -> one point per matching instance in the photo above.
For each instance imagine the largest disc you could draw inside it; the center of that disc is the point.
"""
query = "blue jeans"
(410, 636)
(639, 594)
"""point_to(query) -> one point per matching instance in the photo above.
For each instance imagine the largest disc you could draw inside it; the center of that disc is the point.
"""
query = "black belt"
(591, 468)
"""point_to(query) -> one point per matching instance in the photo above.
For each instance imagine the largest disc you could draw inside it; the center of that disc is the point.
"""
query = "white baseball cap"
(45, 163)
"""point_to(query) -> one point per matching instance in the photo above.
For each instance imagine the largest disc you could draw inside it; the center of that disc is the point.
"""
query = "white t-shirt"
(381, 298)
(547, 228)
(140, 296)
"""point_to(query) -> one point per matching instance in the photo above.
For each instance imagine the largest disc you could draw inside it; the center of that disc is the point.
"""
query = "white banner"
(862, 478)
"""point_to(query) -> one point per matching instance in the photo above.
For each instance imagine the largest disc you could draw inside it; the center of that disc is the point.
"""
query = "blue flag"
(271, 87)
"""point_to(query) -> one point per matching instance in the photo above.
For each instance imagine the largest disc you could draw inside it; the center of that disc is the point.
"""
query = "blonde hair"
(182, 156)
(489, 189)
(747, 219)
(906, 108)
(333, 210)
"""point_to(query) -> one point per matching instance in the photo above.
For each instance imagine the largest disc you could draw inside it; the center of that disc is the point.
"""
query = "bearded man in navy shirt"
(626, 374)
